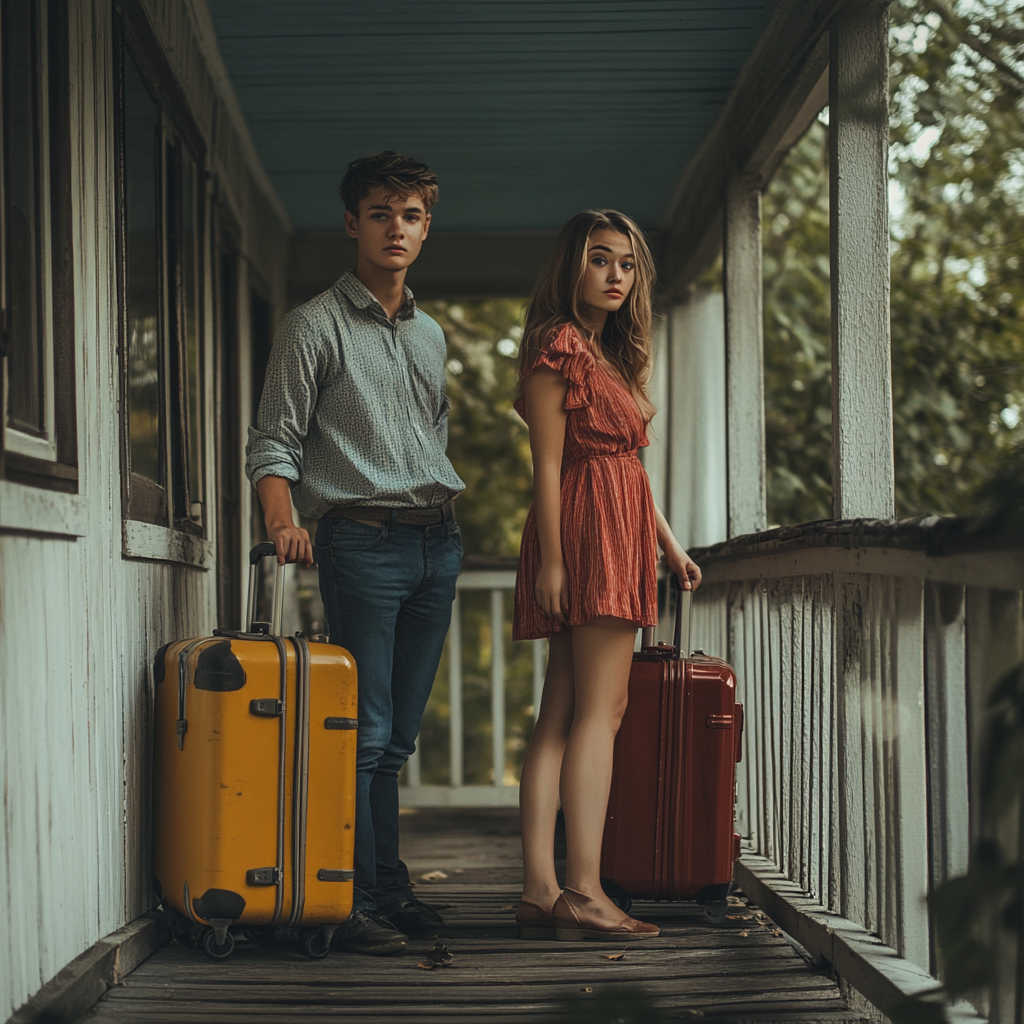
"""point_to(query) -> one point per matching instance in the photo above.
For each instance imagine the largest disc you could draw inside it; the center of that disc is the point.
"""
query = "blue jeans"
(388, 592)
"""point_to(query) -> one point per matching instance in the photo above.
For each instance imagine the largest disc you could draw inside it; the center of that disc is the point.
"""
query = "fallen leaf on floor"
(440, 955)
(586, 988)
(694, 1013)
(615, 956)
(777, 933)
(739, 917)
(509, 906)
(744, 934)
(433, 876)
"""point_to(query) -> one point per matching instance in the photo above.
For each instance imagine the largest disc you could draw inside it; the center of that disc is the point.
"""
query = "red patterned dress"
(609, 535)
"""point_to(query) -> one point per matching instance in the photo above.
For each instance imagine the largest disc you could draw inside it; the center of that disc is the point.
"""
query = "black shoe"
(415, 919)
(368, 932)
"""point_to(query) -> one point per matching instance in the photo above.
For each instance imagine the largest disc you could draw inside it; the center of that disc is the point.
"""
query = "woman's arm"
(686, 569)
(545, 392)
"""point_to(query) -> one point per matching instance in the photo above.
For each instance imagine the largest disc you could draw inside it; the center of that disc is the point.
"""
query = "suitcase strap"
(300, 779)
(181, 726)
(671, 782)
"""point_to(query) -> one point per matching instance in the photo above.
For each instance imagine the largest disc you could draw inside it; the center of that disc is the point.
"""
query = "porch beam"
(744, 356)
(778, 93)
(863, 484)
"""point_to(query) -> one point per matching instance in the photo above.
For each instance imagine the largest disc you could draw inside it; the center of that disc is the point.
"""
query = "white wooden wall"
(79, 622)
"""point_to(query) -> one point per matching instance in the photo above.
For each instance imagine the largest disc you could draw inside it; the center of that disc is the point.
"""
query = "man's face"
(389, 231)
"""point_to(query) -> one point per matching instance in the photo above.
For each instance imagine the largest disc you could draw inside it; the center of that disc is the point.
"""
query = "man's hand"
(291, 542)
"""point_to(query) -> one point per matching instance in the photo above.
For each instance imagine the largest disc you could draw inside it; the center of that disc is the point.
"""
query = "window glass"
(25, 398)
(141, 128)
(190, 325)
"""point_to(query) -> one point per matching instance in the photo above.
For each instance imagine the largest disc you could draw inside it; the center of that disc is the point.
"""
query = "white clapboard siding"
(79, 622)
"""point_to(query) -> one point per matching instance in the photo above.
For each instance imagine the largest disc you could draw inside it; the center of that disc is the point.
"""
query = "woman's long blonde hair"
(626, 338)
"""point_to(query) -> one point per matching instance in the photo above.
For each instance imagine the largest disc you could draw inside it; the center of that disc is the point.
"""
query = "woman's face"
(611, 270)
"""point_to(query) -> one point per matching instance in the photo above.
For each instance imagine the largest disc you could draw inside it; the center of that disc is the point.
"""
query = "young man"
(353, 427)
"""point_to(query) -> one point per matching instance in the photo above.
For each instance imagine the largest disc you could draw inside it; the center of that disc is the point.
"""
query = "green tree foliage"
(957, 199)
(487, 441)
(957, 163)
(490, 448)
(797, 346)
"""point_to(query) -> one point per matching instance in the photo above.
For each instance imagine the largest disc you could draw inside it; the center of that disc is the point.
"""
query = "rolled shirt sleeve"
(289, 398)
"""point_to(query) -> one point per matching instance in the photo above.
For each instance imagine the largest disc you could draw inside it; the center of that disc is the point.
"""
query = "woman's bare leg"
(538, 783)
(602, 652)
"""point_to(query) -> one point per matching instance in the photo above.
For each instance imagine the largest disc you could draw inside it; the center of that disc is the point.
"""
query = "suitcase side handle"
(256, 555)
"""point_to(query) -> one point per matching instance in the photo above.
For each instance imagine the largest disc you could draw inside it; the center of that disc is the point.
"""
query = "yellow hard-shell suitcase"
(254, 783)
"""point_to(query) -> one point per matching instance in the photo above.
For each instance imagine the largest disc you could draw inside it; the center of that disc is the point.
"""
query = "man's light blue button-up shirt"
(354, 410)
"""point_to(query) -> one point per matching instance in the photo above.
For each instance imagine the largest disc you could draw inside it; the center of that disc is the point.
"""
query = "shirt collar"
(362, 298)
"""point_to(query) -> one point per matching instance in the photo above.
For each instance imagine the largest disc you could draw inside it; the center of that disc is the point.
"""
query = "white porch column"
(694, 421)
(655, 457)
(862, 447)
(744, 356)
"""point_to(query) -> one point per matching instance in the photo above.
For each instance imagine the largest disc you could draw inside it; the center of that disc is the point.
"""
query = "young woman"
(587, 573)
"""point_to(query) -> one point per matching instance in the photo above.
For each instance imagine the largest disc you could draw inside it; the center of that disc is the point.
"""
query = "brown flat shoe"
(534, 921)
(571, 924)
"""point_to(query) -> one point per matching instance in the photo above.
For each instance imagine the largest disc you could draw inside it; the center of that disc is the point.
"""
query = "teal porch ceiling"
(528, 110)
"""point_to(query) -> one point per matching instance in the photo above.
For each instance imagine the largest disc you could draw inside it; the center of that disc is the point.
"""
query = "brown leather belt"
(412, 516)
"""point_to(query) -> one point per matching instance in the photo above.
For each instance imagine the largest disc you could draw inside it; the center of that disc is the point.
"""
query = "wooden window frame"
(169, 504)
(229, 287)
(50, 459)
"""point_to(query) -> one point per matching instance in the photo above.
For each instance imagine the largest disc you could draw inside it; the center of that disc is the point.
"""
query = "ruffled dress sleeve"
(568, 354)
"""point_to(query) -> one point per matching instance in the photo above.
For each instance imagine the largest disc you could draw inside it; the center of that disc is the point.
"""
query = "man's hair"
(400, 177)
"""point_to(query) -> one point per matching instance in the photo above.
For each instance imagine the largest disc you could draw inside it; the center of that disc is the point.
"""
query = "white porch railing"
(498, 582)
(865, 653)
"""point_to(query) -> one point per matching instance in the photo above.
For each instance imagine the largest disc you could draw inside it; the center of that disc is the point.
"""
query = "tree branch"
(959, 26)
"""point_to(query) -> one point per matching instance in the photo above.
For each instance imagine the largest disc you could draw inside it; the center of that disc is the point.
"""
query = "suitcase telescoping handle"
(684, 610)
(258, 553)
(681, 644)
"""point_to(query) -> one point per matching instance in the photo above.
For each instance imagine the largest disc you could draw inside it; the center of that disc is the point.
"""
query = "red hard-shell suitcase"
(669, 832)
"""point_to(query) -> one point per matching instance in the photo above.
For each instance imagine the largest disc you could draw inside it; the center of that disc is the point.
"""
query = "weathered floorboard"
(745, 969)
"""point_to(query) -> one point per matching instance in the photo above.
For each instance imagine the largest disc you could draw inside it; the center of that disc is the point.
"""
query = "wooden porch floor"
(744, 970)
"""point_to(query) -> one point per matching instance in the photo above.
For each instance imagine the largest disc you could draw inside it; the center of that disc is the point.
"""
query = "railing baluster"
(498, 684)
(455, 693)
(538, 676)
(412, 766)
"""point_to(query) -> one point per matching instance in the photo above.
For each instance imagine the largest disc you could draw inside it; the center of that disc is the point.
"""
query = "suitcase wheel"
(317, 944)
(218, 951)
(619, 896)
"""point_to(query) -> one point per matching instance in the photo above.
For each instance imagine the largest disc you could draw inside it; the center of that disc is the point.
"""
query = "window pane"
(141, 126)
(190, 303)
(20, 112)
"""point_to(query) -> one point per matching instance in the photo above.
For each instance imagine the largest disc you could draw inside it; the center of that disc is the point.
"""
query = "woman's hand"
(552, 591)
(686, 569)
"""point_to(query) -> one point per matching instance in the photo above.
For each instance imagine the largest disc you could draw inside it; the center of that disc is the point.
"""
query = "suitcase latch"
(265, 707)
(718, 721)
(335, 875)
(263, 876)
